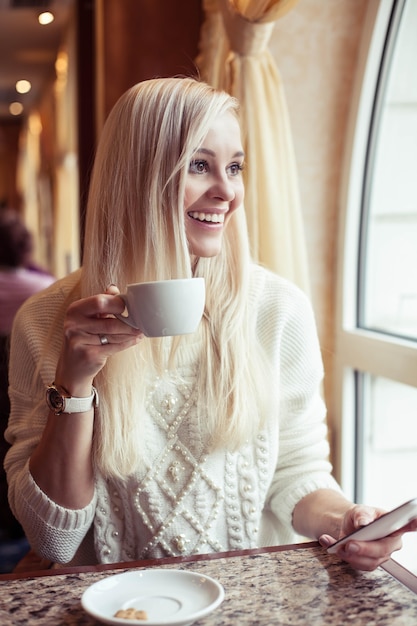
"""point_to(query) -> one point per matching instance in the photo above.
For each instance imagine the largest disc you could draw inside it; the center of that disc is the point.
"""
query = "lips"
(216, 218)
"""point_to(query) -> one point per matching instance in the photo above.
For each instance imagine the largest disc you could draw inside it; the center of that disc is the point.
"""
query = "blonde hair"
(135, 232)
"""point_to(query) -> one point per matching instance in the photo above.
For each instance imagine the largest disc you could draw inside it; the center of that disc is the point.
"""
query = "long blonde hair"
(135, 232)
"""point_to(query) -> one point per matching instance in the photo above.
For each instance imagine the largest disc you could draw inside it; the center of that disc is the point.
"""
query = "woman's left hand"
(366, 555)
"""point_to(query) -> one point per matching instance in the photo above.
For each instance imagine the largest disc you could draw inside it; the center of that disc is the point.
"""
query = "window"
(388, 253)
(376, 360)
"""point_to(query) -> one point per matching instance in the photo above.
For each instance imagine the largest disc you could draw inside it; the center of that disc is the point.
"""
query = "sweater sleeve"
(303, 464)
(52, 531)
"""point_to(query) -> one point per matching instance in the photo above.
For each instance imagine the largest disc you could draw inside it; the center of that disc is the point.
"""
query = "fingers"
(358, 516)
(365, 555)
(94, 317)
(112, 343)
(100, 305)
(368, 555)
(112, 290)
(363, 515)
(91, 335)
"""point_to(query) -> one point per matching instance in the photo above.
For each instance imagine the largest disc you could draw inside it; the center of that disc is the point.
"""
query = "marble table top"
(294, 585)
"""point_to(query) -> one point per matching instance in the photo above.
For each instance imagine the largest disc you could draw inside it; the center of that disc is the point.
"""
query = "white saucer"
(174, 597)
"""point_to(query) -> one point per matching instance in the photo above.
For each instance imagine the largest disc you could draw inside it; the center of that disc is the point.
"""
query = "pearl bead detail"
(184, 501)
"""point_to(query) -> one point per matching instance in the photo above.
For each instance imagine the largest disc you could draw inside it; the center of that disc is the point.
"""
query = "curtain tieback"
(246, 38)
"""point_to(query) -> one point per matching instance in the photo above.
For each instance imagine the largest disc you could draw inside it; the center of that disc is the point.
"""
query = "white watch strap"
(80, 405)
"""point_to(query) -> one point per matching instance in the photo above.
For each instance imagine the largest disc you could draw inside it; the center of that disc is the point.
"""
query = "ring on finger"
(103, 340)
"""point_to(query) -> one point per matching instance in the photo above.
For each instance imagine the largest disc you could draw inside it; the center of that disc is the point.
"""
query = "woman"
(213, 442)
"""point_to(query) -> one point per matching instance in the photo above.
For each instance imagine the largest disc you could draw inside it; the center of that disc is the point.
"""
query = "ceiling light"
(16, 108)
(46, 18)
(23, 86)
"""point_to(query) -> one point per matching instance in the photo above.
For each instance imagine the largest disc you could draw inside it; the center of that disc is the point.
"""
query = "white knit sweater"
(185, 501)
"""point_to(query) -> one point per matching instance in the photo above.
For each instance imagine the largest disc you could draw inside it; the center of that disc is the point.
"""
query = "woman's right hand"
(61, 463)
(88, 323)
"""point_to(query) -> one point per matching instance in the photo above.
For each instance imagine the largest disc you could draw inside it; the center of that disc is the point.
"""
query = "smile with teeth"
(217, 218)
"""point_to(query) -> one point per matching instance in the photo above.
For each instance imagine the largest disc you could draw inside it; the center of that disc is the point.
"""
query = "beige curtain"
(234, 56)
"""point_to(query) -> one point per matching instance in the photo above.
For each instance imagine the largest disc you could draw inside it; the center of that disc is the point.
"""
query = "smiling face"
(214, 186)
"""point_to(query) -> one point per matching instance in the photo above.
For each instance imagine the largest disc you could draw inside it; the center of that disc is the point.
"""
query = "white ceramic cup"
(165, 308)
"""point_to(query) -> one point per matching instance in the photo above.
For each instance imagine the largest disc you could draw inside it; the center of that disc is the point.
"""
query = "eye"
(198, 166)
(234, 169)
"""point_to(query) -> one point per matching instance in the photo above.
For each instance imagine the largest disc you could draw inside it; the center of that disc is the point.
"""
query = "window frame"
(359, 350)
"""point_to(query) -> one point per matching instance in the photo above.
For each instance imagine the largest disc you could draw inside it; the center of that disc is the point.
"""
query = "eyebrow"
(240, 153)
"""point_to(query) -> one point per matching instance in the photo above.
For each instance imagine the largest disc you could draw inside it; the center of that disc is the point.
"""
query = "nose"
(222, 188)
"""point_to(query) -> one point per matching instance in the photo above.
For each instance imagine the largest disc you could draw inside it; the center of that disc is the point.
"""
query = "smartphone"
(383, 526)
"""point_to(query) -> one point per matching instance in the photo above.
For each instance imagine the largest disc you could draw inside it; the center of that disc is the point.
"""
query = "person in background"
(19, 276)
(18, 281)
(126, 447)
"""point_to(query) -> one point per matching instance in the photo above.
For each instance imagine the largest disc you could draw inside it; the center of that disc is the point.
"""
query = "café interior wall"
(50, 178)
(47, 171)
(315, 46)
(9, 137)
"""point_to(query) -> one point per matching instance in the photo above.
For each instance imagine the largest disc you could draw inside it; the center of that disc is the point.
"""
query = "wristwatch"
(60, 401)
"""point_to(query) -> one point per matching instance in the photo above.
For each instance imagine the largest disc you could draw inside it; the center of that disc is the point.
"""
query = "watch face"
(55, 400)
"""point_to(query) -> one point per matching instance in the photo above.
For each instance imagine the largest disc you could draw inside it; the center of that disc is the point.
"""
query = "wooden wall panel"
(141, 39)
(122, 42)
(9, 145)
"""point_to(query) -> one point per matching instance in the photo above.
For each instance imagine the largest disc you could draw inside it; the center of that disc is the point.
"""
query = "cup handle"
(125, 317)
